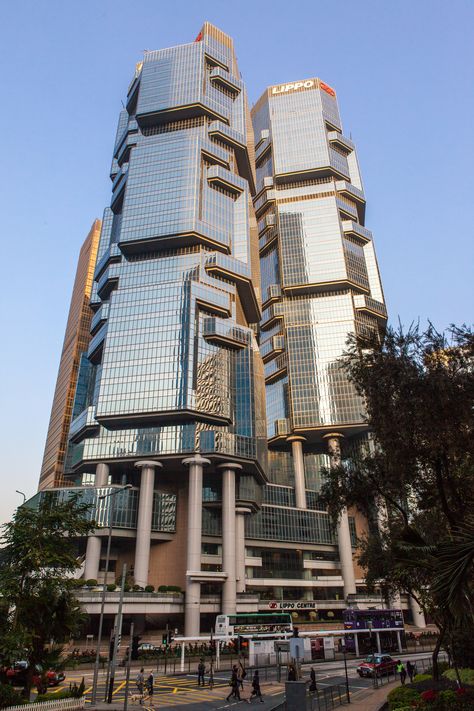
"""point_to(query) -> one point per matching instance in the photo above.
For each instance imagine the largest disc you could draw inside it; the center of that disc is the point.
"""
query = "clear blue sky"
(403, 72)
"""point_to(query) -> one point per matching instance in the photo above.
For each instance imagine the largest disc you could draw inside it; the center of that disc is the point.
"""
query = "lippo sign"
(275, 605)
(301, 85)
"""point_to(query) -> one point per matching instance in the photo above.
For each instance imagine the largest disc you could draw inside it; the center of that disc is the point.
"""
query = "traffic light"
(164, 639)
(170, 636)
(111, 647)
(242, 644)
(135, 642)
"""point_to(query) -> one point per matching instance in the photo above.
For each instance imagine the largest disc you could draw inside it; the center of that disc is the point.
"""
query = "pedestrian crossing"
(169, 691)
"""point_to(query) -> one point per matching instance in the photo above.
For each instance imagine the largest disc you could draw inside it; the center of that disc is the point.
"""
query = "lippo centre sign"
(282, 605)
(301, 86)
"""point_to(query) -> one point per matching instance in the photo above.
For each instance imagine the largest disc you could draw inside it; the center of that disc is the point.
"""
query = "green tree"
(39, 558)
(418, 389)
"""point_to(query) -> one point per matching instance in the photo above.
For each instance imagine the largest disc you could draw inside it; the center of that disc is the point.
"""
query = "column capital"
(148, 463)
(333, 435)
(296, 438)
(230, 465)
(243, 510)
(197, 459)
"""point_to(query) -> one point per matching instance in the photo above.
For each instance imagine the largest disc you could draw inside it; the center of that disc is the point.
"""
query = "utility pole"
(111, 494)
(127, 678)
(118, 634)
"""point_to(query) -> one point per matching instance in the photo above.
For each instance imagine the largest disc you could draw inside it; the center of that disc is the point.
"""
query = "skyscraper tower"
(75, 345)
(176, 371)
(320, 282)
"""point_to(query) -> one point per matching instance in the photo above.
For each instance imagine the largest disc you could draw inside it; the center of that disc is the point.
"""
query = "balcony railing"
(222, 332)
(125, 506)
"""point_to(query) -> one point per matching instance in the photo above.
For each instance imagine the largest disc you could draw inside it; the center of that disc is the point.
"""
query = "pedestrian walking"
(411, 671)
(241, 674)
(312, 677)
(291, 673)
(234, 683)
(201, 670)
(150, 683)
(140, 683)
(256, 691)
(402, 671)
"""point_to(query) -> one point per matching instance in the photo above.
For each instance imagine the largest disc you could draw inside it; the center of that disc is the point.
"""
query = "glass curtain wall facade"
(76, 341)
(172, 384)
(320, 282)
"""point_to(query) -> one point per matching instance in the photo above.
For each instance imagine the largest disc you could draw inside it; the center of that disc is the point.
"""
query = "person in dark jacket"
(291, 673)
(201, 670)
(312, 676)
(256, 688)
(411, 670)
(234, 683)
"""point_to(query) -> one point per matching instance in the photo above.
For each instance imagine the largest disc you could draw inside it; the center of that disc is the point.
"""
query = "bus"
(258, 623)
(355, 619)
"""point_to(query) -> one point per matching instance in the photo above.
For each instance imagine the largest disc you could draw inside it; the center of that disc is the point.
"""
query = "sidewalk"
(374, 699)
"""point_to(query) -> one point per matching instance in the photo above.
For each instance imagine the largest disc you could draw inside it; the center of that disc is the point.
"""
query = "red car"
(16, 675)
(379, 664)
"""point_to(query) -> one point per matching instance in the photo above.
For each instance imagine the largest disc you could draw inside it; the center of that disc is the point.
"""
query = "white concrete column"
(229, 590)
(145, 513)
(101, 475)
(183, 645)
(240, 513)
(193, 560)
(298, 465)
(399, 642)
(356, 642)
(91, 568)
(377, 637)
(417, 612)
(343, 531)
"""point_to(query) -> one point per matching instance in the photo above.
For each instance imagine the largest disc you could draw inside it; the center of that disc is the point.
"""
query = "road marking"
(119, 687)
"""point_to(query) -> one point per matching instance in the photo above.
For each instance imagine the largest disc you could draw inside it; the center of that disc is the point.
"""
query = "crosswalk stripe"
(119, 687)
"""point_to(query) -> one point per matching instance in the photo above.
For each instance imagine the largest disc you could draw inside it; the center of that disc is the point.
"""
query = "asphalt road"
(182, 692)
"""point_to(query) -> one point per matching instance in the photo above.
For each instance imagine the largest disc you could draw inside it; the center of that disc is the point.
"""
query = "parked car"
(146, 647)
(379, 664)
(16, 675)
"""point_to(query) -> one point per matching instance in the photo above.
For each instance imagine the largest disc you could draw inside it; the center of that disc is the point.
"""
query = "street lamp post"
(111, 494)
(22, 494)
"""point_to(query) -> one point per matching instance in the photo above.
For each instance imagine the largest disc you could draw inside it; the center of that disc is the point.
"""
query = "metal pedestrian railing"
(329, 698)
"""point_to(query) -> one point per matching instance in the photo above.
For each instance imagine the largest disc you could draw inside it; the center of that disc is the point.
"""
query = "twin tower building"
(201, 363)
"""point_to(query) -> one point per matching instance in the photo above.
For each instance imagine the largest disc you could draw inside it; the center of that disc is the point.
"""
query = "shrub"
(401, 696)
(137, 588)
(149, 588)
(127, 587)
(10, 697)
(91, 583)
(64, 694)
(111, 587)
(442, 666)
(77, 692)
(422, 677)
(163, 588)
(466, 675)
(448, 697)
